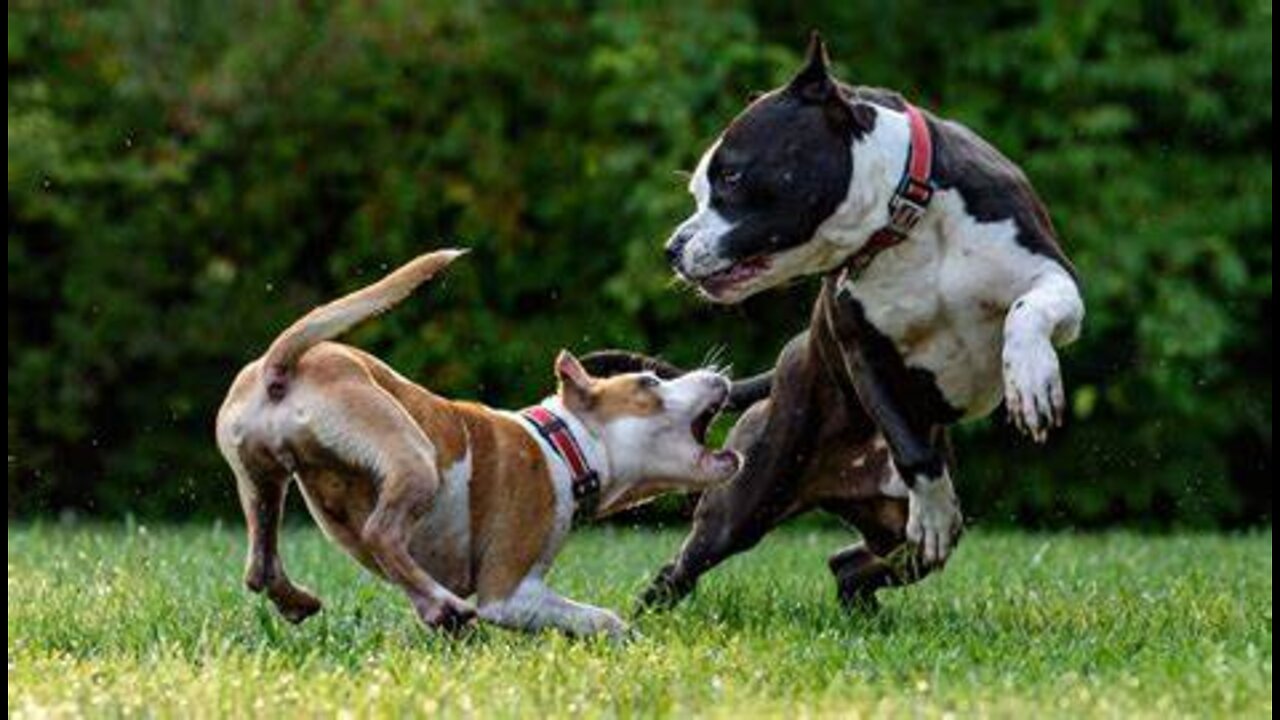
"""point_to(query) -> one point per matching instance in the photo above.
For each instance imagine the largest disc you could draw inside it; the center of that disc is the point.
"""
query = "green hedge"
(186, 178)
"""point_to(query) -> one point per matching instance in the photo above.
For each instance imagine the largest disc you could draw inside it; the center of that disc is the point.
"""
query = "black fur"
(791, 148)
(783, 165)
(992, 186)
(781, 169)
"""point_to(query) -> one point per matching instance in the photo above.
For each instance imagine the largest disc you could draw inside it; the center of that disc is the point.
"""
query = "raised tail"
(337, 317)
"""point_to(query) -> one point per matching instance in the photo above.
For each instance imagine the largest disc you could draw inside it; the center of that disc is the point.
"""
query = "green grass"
(115, 620)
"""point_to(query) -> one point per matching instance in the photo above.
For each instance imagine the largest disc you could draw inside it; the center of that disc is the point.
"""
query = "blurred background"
(187, 178)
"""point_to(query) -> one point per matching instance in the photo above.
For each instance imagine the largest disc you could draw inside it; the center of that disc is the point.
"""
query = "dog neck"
(878, 159)
(595, 450)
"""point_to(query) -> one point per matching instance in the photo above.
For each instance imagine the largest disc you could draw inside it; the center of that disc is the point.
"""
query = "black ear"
(814, 83)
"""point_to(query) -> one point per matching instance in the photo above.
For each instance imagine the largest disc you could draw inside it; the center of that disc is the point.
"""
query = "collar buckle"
(909, 201)
(907, 207)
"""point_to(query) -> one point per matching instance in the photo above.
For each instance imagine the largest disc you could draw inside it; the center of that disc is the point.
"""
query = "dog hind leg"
(262, 492)
(876, 506)
(881, 559)
(368, 428)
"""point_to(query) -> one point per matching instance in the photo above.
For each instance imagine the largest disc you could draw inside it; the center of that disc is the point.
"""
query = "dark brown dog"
(808, 445)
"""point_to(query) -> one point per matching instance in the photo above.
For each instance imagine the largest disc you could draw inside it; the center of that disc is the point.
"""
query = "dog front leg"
(534, 606)
(1047, 316)
(933, 517)
(775, 437)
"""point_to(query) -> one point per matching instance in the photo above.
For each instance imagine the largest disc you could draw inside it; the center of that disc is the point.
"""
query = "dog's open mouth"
(702, 423)
(722, 462)
(740, 272)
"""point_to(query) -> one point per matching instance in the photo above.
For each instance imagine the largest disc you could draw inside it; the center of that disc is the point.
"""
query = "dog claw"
(1033, 392)
(934, 520)
(663, 593)
(297, 606)
(447, 615)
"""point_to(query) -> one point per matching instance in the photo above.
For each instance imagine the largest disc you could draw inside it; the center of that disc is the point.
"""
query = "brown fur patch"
(512, 501)
(623, 396)
(431, 412)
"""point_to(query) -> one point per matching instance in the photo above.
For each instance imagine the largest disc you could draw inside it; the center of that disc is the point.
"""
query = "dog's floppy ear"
(574, 382)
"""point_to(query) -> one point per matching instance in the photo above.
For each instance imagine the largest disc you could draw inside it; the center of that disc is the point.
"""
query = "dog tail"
(337, 317)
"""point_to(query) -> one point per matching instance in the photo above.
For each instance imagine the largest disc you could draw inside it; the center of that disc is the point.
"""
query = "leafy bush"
(185, 179)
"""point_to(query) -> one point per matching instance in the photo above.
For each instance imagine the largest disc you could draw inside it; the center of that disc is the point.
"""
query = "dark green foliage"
(186, 178)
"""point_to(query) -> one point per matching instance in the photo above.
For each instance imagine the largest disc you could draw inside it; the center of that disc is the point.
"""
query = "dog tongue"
(723, 457)
(735, 274)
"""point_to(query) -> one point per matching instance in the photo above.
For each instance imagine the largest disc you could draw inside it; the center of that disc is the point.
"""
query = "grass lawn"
(115, 620)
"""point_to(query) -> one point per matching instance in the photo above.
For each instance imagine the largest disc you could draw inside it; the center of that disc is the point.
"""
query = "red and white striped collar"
(559, 435)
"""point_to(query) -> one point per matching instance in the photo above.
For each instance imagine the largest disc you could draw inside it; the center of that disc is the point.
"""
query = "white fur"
(1048, 314)
(705, 227)
(446, 526)
(892, 485)
(941, 295)
(534, 606)
(699, 183)
(621, 453)
(661, 445)
(630, 450)
(562, 476)
(933, 517)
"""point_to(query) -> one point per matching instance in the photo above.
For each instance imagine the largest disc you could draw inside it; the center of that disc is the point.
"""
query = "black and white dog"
(945, 292)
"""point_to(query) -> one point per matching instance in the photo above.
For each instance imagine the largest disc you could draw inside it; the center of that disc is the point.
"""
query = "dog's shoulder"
(993, 187)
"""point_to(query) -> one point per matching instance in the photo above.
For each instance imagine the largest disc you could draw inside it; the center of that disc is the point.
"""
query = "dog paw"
(296, 604)
(447, 613)
(664, 593)
(934, 521)
(1033, 393)
(606, 623)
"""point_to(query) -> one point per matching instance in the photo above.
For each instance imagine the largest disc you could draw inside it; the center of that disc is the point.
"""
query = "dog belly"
(340, 503)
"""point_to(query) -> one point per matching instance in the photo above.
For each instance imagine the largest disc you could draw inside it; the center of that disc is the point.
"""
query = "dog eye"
(648, 382)
(731, 177)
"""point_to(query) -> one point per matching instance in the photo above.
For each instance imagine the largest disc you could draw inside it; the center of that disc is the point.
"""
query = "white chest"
(942, 295)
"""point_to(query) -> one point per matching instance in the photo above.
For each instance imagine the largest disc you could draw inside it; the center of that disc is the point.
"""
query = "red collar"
(586, 481)
(910, 198)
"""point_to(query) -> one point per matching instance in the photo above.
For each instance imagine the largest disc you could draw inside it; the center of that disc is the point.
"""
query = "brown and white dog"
(450, 499)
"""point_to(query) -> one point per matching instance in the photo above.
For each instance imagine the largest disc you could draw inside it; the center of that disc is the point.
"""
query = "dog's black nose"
(675, 247)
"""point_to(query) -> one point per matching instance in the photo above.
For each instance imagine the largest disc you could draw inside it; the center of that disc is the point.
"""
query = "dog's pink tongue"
(725, 462)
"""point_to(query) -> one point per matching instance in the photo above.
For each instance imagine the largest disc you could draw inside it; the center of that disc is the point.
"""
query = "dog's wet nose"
(675, 248)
